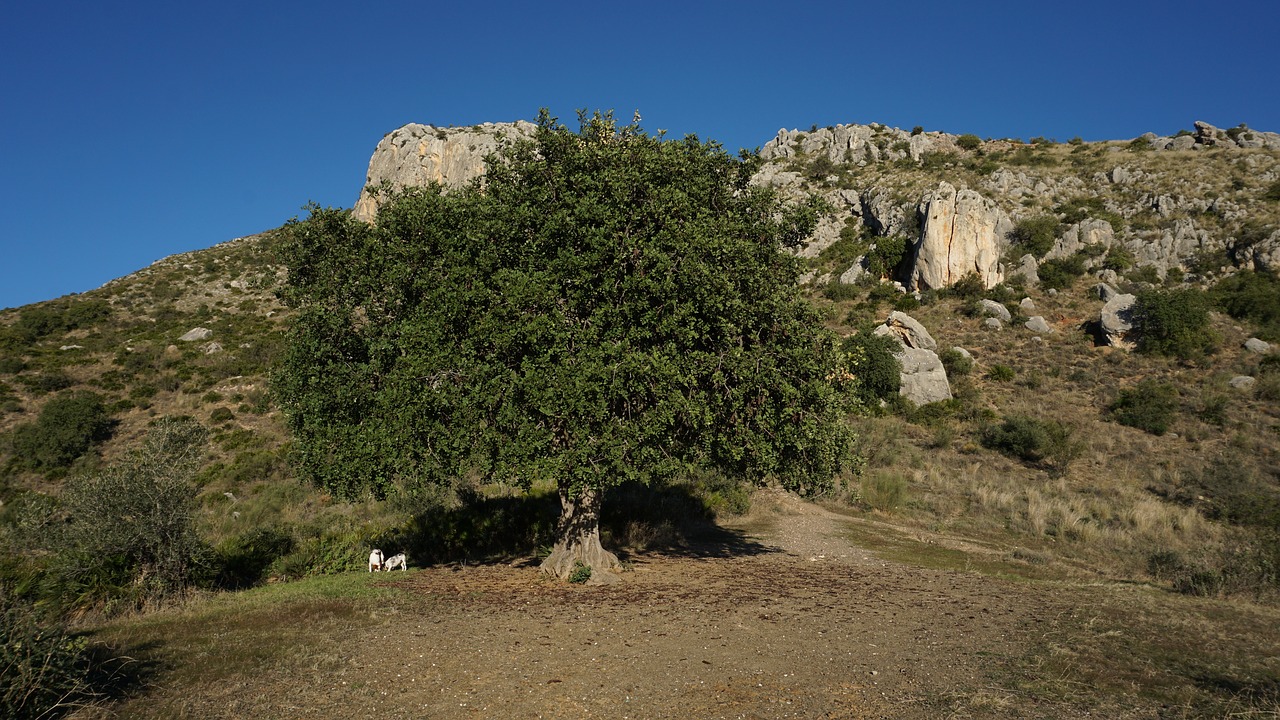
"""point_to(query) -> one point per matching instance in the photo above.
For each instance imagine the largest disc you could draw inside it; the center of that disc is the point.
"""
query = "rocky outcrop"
(418, 155)
(856, 144)
(1206, 135)
(962, 233)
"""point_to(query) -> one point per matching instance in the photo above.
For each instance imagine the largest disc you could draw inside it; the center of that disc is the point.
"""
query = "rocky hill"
(1201, 203)
(915, 215)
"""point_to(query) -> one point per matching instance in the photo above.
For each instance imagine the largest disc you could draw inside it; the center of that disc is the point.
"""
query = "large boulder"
(1116, 320)
(417, 155)
(962, 233)
(924, 379)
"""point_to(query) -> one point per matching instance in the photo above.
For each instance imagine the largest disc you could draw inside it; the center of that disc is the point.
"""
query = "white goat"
(397, 561)
(375, 560)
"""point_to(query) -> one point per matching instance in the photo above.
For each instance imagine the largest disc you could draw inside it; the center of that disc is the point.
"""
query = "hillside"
(1032, 469)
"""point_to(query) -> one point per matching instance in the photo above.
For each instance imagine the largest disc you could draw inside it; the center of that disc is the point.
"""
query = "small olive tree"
(130, 529)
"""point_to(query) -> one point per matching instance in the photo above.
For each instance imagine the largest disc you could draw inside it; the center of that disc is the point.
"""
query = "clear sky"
(131, 131)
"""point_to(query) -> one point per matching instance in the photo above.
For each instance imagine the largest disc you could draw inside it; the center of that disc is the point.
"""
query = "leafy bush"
(1060, 273)
(243, 560)
(955, 362)
(1118, 259)
(1001, 373)
(130, 529)
(872, 361)
(1032, 440)
(1253, 296)
(1173, 322)
(887, 255)
(66, 428)
(1034, 235)
(1149, 406)
(969, 141)
(968, 287)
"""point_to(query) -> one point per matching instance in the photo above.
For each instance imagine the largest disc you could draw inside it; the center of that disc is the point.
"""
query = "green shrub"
(130, 533)
(581, 573)
(1144, 274)
(1118, 259)
(43, 665)
(955, 362)
(1173, 322)
(68, 425)
(1034, 235)
(969, 141)
(221, 415)
(1001, 373)
(968, 287)
(1032, 440)
(1253, 296)
(887, 255)
(836, 291)
(1149, 406)
(1060, 273)
(872, 362)
(244, 559)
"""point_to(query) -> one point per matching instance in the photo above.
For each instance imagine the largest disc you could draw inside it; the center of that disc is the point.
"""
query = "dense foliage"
(1034, 235)
(607, 307)
(1173, 322)
(127, 533)
(1149, 406)
(68, 425)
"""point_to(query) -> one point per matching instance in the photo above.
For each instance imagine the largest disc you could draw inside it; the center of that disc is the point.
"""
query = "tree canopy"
(602, 306)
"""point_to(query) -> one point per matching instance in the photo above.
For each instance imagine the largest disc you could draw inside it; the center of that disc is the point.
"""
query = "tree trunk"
(578, 541)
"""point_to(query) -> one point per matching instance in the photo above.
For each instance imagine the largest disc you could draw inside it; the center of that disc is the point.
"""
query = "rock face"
(856, 143)
(924, 379)
(417, 155)
(962, 233)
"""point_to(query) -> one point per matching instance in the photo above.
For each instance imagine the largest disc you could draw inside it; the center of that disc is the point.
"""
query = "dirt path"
(791, 621)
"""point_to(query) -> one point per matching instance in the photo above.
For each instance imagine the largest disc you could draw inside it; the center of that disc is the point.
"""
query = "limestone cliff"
(417, 155)
(963, 233)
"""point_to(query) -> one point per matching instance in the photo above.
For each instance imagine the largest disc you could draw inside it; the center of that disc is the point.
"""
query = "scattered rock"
(1037, 324)
(1242, 382)
(964, 353)
(1255, 345)
(1027, 304)
(996, 310)
(196, 334)
(992, 324)
(1105, 292)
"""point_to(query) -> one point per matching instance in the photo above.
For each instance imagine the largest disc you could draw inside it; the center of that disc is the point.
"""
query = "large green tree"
(604, 306)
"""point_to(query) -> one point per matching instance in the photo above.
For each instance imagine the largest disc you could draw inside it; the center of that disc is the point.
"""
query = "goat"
(375, 561)
(397, 561)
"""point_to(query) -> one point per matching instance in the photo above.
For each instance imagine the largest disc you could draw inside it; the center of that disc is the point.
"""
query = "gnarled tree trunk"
(578, 540)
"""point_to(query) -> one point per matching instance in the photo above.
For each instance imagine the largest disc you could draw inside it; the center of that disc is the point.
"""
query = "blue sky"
(131, 131)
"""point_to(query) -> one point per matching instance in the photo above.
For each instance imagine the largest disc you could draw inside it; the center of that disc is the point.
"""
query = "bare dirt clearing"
(787, 620)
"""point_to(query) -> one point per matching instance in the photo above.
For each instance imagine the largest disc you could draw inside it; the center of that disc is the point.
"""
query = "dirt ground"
(781, 619)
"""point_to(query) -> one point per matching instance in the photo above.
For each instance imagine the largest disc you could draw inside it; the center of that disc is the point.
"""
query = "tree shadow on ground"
(673, 520)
